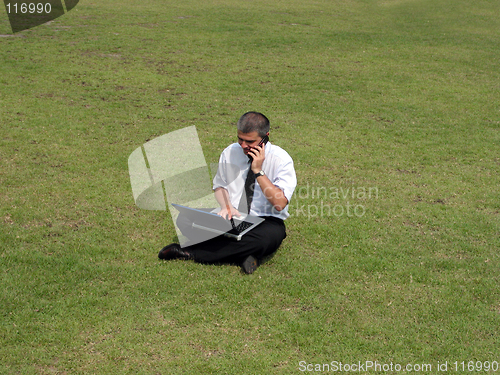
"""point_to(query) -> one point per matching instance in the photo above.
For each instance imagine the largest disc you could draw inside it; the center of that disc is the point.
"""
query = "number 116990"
(30, 8)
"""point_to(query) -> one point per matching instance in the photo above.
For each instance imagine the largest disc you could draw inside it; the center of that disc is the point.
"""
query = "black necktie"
(247, 197)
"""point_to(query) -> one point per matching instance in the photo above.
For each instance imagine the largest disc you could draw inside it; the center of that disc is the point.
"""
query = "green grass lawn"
(391, 112)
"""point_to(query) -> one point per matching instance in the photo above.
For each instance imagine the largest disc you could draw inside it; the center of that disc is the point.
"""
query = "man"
(267, 174)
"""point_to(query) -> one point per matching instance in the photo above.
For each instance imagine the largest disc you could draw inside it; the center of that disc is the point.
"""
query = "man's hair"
(253, 122)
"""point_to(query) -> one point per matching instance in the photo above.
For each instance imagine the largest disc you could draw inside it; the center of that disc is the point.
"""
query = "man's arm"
(221, 193)
(222, 197)
(273, 194)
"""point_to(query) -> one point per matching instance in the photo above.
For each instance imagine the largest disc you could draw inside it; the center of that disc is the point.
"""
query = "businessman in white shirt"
(255, 177)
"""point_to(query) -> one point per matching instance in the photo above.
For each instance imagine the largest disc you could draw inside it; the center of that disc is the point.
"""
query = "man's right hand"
(228, 214)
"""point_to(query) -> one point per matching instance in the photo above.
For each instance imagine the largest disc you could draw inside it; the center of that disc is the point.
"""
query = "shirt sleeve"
(220, 179)
(286, 178)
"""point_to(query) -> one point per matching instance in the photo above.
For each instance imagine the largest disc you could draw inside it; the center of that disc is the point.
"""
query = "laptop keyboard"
(240, 227)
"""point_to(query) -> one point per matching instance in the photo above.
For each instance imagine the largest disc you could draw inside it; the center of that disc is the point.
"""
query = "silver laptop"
(211, 222)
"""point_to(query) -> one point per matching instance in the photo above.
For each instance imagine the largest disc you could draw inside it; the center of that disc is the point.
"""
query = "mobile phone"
(263, 141)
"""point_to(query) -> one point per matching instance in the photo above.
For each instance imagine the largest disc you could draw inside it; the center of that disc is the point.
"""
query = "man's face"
(248, 140)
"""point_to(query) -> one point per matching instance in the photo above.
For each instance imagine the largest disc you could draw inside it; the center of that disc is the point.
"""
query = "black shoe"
(249, 265)
(173, 251)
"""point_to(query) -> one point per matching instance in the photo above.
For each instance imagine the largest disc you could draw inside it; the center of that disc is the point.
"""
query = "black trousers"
(261, 242)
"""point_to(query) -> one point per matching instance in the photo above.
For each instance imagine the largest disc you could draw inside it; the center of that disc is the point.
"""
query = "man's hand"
(228, 214)
(258, 154)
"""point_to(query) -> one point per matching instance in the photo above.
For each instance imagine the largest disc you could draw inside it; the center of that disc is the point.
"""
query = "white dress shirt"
(278, 167)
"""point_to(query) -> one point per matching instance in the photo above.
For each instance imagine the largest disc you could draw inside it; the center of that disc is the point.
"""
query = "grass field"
(391, 112)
